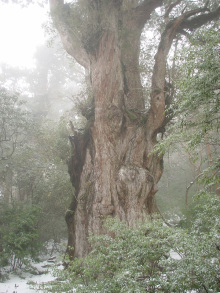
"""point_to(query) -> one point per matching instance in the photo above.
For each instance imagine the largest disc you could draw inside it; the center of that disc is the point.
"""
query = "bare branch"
(188, 188)
(165, 221)
(190, 13)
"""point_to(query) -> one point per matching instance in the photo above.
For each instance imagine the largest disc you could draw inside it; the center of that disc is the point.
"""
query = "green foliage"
(125, 260)
(203, 215)
(37, 174)
(196, 110)
(19, 237)
(198, 268)
(198, 246)
(42, 175)
(197, 107)
(142, 259)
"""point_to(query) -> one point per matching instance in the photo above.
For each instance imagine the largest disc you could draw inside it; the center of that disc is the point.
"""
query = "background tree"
(19, 234)
(196, 113)
(14, 123)
(34, 149)
(110, 168)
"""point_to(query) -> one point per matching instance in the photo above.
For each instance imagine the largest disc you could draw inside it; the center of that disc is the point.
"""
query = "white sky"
(20, 33)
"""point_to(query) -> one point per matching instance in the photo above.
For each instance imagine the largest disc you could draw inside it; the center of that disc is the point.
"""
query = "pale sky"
(20, 33)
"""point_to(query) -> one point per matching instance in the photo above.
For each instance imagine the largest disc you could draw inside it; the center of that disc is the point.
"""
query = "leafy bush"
(140, 259)
(18, 234)
(198, 244)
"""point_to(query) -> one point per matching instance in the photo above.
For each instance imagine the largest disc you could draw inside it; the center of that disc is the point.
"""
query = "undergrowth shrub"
(142, 259)
(18, 234)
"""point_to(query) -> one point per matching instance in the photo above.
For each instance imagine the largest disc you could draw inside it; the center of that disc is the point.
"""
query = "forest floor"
(38, 274)
(30, 279)
(29, 282)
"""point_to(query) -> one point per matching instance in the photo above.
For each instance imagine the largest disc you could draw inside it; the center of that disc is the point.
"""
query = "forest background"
(39, 109)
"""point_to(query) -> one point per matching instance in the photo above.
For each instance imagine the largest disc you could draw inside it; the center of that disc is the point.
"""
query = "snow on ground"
(17, 285)
(27, 282)
(38, 273)
(174, 255)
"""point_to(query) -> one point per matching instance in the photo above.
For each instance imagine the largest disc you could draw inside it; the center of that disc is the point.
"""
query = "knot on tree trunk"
(134, 186)
(106, 210)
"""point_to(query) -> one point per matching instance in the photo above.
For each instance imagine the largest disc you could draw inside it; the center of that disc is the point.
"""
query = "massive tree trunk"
(111, 167)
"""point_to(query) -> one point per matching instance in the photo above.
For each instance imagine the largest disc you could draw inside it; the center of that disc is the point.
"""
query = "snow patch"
(28, 282)
(174, 255)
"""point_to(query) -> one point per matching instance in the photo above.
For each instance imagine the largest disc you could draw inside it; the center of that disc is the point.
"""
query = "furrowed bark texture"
(110, 168)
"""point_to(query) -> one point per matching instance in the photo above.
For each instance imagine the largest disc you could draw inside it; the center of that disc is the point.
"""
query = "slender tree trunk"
(111, 167)
(210, 160)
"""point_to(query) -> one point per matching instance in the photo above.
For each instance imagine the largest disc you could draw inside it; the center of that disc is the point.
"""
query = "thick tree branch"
(170, 8)
(74, 47)
(144, 10)
(198, 21)
(157, 111)
(158, 95)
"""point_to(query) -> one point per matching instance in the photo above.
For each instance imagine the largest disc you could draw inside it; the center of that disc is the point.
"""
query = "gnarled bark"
(110, 168)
